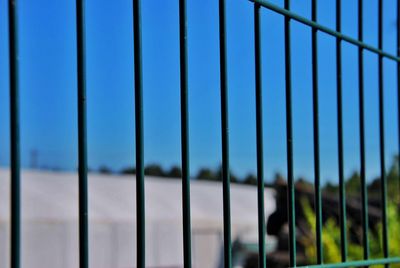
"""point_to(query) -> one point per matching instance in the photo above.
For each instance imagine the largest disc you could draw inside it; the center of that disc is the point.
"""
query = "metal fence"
(288, 17)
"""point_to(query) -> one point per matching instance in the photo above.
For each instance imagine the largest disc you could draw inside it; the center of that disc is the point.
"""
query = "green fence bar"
(316, 29)
(364, 190)
(289, 143)
(364, 195)
(82, 140)
(342, 191)
(140, 212)
(317, 183)
(324, 29)
(225, 136)
(259, 134)
(14, 135)
(365, 263)
(398, 83)
(385, 241)
(187, 258)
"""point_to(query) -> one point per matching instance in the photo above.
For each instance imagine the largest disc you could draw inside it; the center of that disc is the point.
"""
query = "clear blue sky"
(48, 86)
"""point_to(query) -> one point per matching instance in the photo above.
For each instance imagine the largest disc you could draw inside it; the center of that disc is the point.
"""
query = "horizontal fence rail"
(385, 261)
(258, 5)
(324, 29)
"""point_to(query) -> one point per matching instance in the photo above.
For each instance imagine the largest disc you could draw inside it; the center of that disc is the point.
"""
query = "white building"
(50, 220)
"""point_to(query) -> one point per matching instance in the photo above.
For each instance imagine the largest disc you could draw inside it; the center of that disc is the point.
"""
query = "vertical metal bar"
(185, 135)
(289, 143)
(398, 82)
(382, 135)
(364, 191)
(260, 144)
(342, 192)
(14, 137)
(140, 206)
(225, 136)
(317, 184)
(82, 141)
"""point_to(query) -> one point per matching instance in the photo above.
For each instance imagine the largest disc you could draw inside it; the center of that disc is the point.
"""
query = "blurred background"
(47, 43)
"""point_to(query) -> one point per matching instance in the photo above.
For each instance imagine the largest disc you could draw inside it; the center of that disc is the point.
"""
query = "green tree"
(175, 172)
(232, 176)
(331, 238)
(154, 170)
(129, 170)
(353, 184)
(206, 174)
(104, 170)
(250, 179)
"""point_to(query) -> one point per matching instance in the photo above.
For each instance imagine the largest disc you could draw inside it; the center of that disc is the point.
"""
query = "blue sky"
(48, 86)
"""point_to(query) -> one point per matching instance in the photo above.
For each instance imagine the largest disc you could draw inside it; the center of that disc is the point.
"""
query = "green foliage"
(154, 170)
(214, 175)
(105, 170)
(393, 180)
(331, 238)
(128, 170)
(393, 233)
(174, 172)
(353, 184)
(250, 180)
(207, 174)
